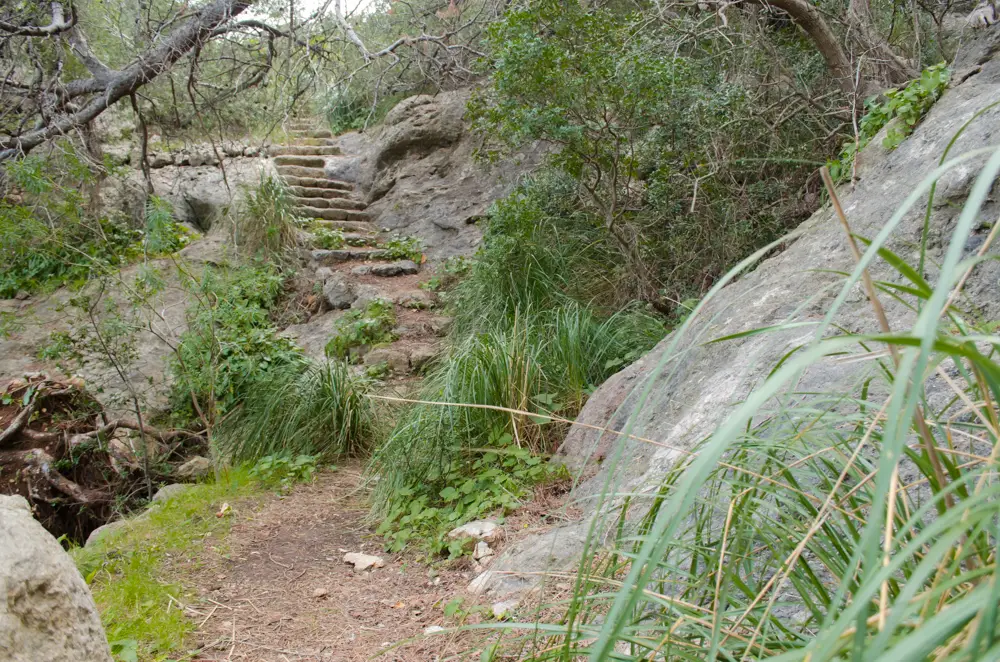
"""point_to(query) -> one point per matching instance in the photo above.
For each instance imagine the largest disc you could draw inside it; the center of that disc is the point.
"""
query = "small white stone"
(482, 550)
(503, 609)
(362, 562)
(431, 629)
(480, 530)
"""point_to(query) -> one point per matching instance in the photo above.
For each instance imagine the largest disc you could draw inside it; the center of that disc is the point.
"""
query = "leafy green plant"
(315, 409)
(266, 224)
(230, 342)
(404, 248)
(328, 239)
(284, 469)
(162, 234)
(467, 488)
(907, 105)
(371, 325)
(50, 239)
(448, 274)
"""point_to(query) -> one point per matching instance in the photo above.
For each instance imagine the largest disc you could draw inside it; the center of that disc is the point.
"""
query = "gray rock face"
(365, 294)
(200, 194)
(694, 395)
(397, 361)
(339, 292)
(195, 469)
(421, 179)
(168, 492)
(46, 610)
(391, 269)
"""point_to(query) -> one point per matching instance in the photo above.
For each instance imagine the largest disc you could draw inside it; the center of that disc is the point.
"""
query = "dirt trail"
(277, 589)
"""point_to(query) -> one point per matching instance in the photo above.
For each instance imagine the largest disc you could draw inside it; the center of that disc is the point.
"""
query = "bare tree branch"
(59, 24)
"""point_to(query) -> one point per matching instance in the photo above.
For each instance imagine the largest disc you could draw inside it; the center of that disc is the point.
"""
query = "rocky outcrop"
(201, 195)
(46, 610)
(420, 176)
(702, 383)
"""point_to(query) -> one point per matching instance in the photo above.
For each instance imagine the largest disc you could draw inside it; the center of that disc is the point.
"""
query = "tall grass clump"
(265, 223)
(526, 350)
(314, 409)
(855, 524)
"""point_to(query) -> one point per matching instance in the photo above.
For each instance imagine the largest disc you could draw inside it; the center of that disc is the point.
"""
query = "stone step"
(322, 202)
(304, 150)
(346, 226)
(310, 194)
(304, 161)
(314, 142)
(326, 258)
(315, 183)
(312, 133)
(332, 214)
(361, 239)
(387, 270)
(301, 171)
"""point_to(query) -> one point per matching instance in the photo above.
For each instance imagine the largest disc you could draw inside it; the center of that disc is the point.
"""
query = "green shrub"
(369, 326)
(481, 483)
(909, 105)
(230, 342)
(266, 224)
(679, 168)
(538, 367)
(350, 109)
(163, 235)
(284, 469)
(301, 409)
(404, 248)
(328, 239)
(48, 239)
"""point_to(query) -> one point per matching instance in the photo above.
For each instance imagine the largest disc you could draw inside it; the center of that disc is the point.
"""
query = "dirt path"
(278, 590)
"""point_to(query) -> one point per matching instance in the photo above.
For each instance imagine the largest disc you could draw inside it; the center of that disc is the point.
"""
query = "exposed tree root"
(75, 466)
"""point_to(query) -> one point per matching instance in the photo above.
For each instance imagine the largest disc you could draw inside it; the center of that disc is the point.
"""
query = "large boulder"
(705, 382)
(421, 178)
(202, 194)
(46, 610)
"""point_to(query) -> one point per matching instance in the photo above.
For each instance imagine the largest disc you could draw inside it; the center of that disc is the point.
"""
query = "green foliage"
(50, 239)
(301, 409)
(266, 224)
(404, 248)
(231, 342)
(328, 239)
(908, 105)
(353, 109)
(163, 236)
(539, 365)
(448, 274)
(679, 166)
(285, 469)
(371, 325)
(467, 488)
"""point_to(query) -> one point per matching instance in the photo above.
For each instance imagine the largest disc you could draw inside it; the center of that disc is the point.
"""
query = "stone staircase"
(360, 270)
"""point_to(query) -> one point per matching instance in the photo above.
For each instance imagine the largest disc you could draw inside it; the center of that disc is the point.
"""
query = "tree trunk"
(808, 17)
(119, 84)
